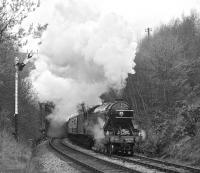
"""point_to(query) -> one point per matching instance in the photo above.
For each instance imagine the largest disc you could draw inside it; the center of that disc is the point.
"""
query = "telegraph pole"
(148, 30)
(18, 67)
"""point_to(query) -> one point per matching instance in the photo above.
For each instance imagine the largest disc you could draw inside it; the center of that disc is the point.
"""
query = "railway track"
(100, 165)
(185, 167)
(159, 164)
(92, 163)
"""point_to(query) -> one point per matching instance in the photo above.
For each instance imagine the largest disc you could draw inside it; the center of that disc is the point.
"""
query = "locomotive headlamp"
(121, 114)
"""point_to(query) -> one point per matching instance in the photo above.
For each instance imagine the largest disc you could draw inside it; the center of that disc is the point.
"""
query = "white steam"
(97, 130)
(82, 54)
(143, 135)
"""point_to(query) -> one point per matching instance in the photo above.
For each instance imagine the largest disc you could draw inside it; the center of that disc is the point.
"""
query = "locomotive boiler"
(108, 128)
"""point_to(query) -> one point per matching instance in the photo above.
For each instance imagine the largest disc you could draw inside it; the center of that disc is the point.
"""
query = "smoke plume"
(83, 53)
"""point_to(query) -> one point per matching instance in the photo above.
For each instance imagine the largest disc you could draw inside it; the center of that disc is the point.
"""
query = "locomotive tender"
(108, 127)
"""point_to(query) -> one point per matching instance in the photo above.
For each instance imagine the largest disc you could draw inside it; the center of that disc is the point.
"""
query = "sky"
(148, 13)
(89, 46)
(140, 13)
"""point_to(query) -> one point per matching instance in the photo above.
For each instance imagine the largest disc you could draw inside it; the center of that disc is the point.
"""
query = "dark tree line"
(167, 64)
(165, 89)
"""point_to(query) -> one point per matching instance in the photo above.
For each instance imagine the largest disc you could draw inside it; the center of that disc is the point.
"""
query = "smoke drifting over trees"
(82, 55)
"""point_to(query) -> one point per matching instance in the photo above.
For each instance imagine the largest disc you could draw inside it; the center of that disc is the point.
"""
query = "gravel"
(48, 162)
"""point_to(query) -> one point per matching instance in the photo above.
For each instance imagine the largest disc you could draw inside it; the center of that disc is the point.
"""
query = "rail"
(92, 163)
(159, 164)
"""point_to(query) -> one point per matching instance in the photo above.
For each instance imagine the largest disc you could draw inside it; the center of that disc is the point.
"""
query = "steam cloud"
(98, 133)
(83, 52)
(97, 130)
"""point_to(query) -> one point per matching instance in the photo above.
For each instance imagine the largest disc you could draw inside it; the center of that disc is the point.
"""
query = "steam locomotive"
(109, 128)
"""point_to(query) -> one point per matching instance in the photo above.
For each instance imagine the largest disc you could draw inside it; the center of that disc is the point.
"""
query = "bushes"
(186, 149)
(187, 121)
(186, 136)
(13, 155)
(5, 120)
(159, 134)
(175, 136)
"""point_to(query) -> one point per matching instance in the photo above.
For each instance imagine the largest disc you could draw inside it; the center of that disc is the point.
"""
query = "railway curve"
(92, 163)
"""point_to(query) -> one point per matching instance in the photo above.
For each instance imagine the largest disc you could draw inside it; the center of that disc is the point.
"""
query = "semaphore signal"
(18, 67)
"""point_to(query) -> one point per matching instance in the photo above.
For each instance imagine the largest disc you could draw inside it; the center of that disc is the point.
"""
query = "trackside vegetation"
(16, 155)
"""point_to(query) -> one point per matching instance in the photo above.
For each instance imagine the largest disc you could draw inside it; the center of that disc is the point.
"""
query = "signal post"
(18, 67)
